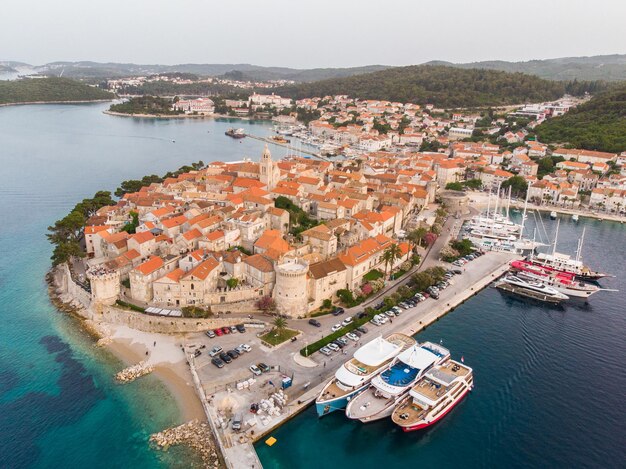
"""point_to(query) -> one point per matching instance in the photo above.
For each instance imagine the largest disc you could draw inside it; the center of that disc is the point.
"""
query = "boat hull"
(340, 403)
(424, 425)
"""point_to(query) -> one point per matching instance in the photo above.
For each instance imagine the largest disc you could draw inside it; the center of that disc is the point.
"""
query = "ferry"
(533, 289)
(389, 387)
(563, 282)
(356, 374)
(236, 133)
(434, 396)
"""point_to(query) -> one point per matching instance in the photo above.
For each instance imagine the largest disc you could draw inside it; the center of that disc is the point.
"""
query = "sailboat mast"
(579, 250)
(489, 203)
(556, 235)
(495, 210)
(508, 203)
(521, 232)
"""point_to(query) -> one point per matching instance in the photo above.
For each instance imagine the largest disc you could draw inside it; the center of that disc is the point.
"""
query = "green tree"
(454, 186)
(517, 184)
(280, 324)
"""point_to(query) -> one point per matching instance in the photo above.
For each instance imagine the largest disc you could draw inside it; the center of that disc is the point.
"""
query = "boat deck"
(367, 403)
(408, 412)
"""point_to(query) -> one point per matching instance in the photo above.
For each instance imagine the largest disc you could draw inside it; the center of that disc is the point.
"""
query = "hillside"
(599, 124)
(48, 89)
(252, 72)
(438, 85)
(599, 67)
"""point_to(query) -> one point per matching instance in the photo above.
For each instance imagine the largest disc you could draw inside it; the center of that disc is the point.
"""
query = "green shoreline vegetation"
(53, 89)
(148, 105)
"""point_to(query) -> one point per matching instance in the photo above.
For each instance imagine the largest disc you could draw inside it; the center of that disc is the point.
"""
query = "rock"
(133, 372)
(193, 434)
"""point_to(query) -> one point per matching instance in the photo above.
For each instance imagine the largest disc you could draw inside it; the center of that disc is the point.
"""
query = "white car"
(255, 370)
(336, 327)
(375, 321)
(346, 321)
(353, 337)
(333, 347)
(245, 347)
(326, 351)
(390, 313)
(383, 319)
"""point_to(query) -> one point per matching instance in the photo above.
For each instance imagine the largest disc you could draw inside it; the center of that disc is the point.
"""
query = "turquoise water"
(59, 406)
(549, 385)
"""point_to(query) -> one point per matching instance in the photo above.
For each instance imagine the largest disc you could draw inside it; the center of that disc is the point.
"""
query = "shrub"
(196, 312)
(232, 282)
(266, 304)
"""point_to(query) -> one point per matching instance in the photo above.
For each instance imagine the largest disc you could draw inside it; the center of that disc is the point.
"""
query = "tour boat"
(565, 263)
(564, 282)
(356, 374)
(389, 387)
(434, 396)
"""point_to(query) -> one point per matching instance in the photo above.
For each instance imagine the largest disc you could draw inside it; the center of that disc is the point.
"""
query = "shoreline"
(184, 116)
(84, 101)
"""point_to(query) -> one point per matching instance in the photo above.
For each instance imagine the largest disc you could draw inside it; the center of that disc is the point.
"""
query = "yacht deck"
(366, 404)
(408, 412)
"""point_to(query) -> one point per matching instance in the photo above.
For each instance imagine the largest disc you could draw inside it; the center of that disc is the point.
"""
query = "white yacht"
(534, 286)
(356, 374)
(390, 386)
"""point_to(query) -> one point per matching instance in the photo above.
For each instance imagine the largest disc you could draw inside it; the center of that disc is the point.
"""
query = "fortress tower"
(269, 174)
(290, 291)
(105, 286)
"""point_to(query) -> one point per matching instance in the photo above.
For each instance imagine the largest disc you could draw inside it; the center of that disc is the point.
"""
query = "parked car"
(263, 367)
(325, 350)
(210, 334)
(352, 336)
(338, 311)
(336, 327)
(457, 271)
(346, 321)
(357, 332)
(245, 347)
(233, 329)
(241, 328)
(334, 347)
(233, 354)
(215, 350)
(337, 343)
(217, 362)
(404, 305)
(362, 314)
(342, 341)
(239, 350)
(225, 358)
(237, 421)
(390, 314)
(362, 329)
(218, 331)
(255, 370)
(315, 322)
(226, 330)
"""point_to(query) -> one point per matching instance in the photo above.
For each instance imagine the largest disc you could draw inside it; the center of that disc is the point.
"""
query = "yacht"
(563, 282)
(356, 374)
(541, 290)
(434, 396)
(389, 387)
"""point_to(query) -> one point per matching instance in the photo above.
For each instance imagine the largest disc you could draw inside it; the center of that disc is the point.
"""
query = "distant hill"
(439, 85)
(6, 69)
(48, 89)
(598, 67)
(252, 72)
(599, 124)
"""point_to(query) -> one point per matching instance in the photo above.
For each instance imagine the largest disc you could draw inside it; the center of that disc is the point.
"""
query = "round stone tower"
(290, 291)
(105, 285)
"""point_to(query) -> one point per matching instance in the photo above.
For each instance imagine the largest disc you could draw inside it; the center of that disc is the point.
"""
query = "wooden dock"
(289, 147)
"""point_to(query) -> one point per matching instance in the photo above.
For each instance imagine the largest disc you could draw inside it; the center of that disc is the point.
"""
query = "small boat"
(434, 396)
(553, 215)
(235, 133)
(575, 217)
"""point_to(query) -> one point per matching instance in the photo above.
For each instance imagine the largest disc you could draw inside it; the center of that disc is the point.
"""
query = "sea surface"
(59, 405)
(549, 384)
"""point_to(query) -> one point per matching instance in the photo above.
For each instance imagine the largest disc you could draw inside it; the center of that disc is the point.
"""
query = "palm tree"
(392, 253)
(280, 323)
(416, 237)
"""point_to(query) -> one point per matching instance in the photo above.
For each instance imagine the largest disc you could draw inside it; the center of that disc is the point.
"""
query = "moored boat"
(356, 374)
(564, 282)
(389, 387)
(434, 396)
(236, 133)
(531, 289)
(553, 215)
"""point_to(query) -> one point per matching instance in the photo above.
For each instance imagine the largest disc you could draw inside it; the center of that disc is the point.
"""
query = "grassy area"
(130, 306)
(275, 337)
(373, 274)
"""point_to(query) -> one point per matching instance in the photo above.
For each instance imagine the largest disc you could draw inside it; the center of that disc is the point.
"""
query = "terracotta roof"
(151, 265)
(259, 262)
(142, 237)
(202, 270)
(325, 268)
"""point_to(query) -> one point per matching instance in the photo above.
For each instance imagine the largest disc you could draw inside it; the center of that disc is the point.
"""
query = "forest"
(599, 124)
(49, 89)
(443, 86)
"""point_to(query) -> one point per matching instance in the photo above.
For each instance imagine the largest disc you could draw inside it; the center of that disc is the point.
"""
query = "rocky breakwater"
(195, 435)
(133, 372)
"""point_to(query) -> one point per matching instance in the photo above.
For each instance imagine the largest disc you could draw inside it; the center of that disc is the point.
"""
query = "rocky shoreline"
(130, 374)
(196, 435)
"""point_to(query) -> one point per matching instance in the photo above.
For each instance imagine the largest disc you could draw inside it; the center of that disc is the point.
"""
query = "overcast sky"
(304, 34)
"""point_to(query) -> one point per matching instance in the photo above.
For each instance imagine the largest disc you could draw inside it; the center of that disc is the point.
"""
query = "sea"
(59, 404)
(549, 381)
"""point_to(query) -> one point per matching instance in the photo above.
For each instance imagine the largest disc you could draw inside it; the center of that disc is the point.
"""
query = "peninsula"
(49, 90)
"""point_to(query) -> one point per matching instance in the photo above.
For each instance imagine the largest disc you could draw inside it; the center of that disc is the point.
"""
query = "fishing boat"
(389, 387)
(575, 217)
(235, 133)
(434, 396)
(563, 282)
(356, 374)
(553, 215)
(531, 289)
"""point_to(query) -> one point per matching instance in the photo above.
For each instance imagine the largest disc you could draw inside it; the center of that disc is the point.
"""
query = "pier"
(289, 147)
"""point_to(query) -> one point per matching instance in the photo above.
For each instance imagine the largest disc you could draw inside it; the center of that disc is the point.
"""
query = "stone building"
(290, 291)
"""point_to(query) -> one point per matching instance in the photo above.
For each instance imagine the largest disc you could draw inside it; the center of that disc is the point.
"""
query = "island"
(49, 90)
